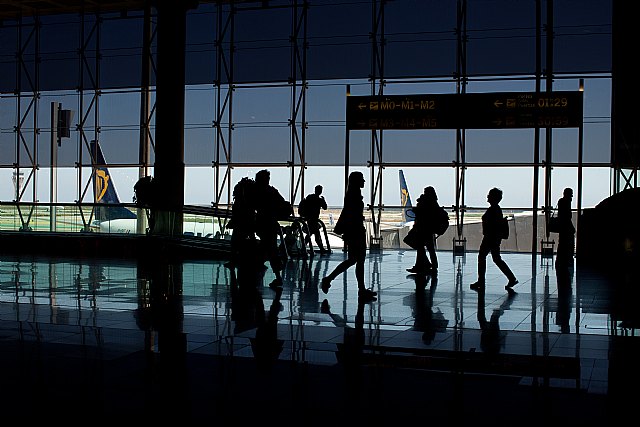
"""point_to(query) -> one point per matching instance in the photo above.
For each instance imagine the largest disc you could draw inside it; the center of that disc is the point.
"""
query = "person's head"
(430, 193)
(494, 196)
(568, 192)
(356, 181)
(243, 188)
(263, 177)
(318, 189)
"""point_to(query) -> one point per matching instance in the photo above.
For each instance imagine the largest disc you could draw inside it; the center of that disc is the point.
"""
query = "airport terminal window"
(421, 56)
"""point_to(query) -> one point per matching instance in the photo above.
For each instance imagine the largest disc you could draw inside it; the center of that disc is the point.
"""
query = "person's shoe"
(418, 270)
(276, 284)
(511, 284)
(366, 295)
(477, 285)
(325, 284)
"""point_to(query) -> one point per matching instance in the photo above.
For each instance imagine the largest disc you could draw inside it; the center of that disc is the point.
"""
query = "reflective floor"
(149, 339)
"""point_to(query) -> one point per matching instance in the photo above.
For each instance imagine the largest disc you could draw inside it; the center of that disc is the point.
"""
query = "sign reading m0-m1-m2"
(497, 110)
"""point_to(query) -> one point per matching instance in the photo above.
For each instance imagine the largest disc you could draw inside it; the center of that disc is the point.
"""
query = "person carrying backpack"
(268, 203)
(492, 234)
(309, 209)
(428, 218)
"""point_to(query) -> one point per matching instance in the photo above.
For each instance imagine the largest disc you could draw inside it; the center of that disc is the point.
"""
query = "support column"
(169, 161)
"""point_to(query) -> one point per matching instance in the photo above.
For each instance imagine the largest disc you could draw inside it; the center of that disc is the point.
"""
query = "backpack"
(441, 223)
(504, 228)
(302, 207)
(284, 210)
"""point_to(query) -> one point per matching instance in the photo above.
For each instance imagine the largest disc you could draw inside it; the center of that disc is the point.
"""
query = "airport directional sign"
(496, 110)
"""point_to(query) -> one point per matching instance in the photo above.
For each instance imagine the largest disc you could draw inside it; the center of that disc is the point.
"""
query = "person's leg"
(566, 248)
(364, 294)
(358, 253)
(271, 239)
(482, 260)
(482, 264)
(431, 247)
(318, 239)
(571, 247)
(497, 259)
(340, 268)
(422, 262)
(360, 274)
(561, 251)
(325, 283)
(314, 230)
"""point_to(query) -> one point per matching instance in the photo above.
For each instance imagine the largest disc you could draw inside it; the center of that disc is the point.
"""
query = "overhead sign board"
(498, 110)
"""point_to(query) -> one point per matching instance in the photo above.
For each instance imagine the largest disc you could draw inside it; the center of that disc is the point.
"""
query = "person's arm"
(323, 203)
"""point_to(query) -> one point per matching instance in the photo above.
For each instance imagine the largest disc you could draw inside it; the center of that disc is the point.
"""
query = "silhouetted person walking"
(567, 233)
(266, 346)
(248, 313)
(353, 340)
(351, 226)
(313, 203)
(426, 320)
(491, 239)
(425, 211)
(268, 201)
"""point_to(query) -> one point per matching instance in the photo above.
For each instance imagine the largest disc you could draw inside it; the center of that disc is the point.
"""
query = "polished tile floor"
(149, 339)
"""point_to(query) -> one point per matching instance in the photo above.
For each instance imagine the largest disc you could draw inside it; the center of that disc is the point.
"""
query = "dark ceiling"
(13, 9)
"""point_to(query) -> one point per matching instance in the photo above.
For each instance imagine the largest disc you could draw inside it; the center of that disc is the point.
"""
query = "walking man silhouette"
(267, 201)
(313, 203)
(491, 239)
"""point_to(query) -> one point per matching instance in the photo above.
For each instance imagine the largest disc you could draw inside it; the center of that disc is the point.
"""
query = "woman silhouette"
(355, 237)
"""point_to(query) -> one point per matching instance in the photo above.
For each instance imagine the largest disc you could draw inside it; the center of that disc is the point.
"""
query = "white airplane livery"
(119, 219)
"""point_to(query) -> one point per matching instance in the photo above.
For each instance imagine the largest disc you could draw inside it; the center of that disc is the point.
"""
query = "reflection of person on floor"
(425, 320)
(353, 337)
(567, 233)
(248, 312)
(266, 345)
(246, 300)
(564, 278)
(309, 295)
(350, 354)
(161, 310)
(492, 338)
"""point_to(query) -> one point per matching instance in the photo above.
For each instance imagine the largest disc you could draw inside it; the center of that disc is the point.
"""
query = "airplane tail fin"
(104, 189)
(405, 200)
